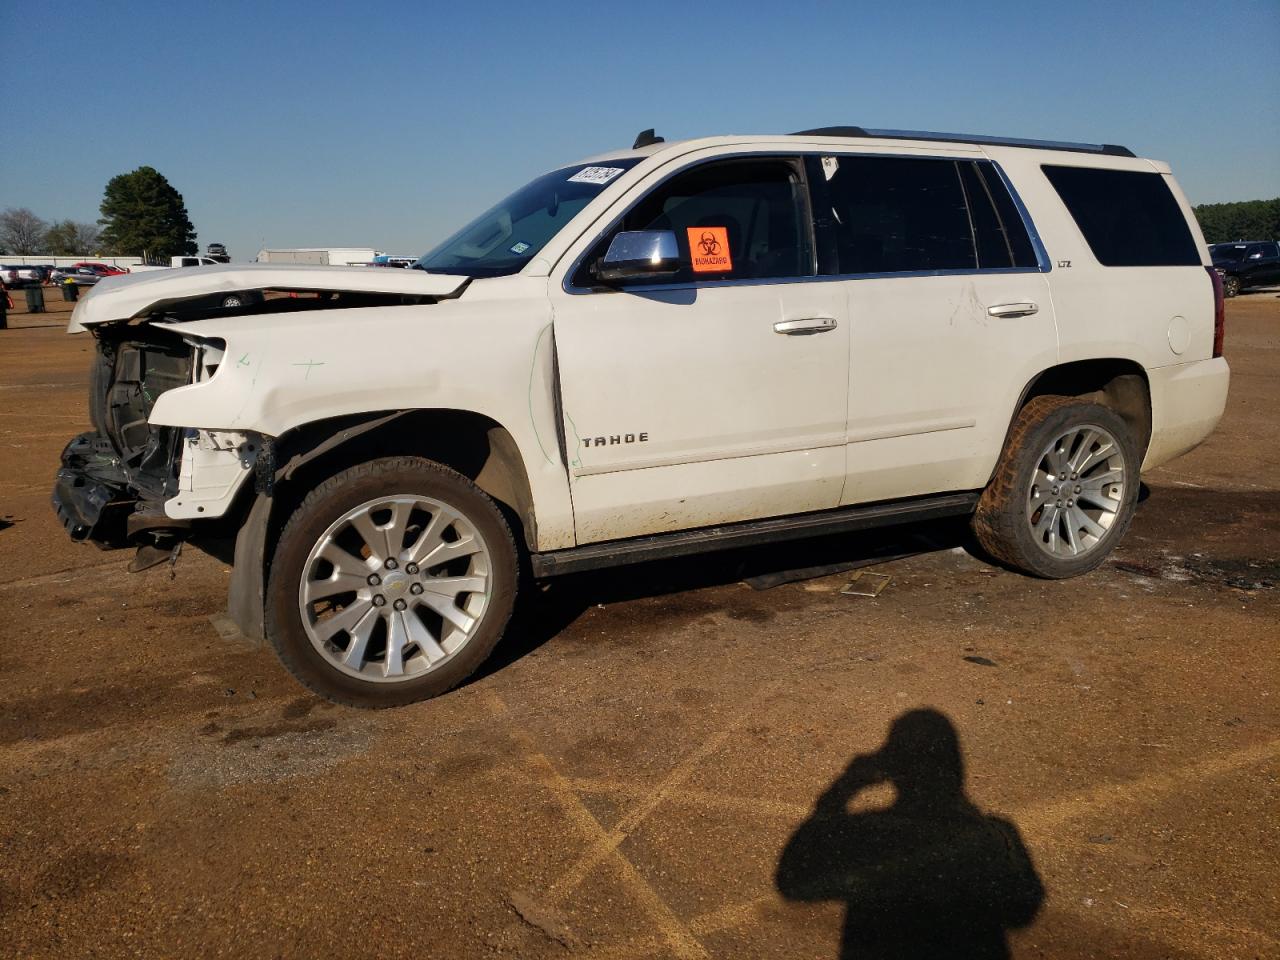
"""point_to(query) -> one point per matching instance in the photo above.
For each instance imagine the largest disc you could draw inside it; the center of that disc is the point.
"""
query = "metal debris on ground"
(866, 584)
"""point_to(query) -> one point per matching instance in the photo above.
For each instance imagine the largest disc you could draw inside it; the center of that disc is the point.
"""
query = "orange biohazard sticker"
(709, 249)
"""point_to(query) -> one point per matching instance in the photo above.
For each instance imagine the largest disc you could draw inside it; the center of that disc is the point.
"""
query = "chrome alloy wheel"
(395, 587)
(1076, 492)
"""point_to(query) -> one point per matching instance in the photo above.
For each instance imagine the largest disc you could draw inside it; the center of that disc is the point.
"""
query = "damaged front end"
(156, 471)
(131, 482)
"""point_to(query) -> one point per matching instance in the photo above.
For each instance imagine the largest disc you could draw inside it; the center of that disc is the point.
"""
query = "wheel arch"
(1118, 383)
(475, 445)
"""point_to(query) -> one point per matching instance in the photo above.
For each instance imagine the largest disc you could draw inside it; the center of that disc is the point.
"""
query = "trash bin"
(35, 300)
(70, 291)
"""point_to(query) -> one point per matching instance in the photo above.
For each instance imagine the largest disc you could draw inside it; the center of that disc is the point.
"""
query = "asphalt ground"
(662, 762)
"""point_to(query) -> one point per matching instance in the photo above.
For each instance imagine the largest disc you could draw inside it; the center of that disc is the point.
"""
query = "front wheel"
(1230, 286)
(391, 583)
(1064, 491)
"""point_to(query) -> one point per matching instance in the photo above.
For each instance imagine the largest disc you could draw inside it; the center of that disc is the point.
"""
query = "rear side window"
(1128, 218)
(998, 230)
(897, 215)
(906, 214)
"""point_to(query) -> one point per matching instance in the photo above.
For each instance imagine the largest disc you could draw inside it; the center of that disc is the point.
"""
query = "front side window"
(504, 238)
(1129, 218)
(732, 219)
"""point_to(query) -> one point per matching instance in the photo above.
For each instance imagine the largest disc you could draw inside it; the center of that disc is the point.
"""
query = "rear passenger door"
(949, 315)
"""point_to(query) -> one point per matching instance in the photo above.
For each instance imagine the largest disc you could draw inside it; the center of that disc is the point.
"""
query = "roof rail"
(1107, 149)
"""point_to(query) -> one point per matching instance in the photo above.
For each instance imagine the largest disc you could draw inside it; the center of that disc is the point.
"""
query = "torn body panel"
(135, 295)
(488, 353)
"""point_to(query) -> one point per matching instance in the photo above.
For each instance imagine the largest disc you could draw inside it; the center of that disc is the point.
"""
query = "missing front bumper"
(90, 510)
(94, 501)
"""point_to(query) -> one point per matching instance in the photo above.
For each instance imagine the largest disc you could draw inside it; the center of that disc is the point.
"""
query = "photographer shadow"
(928, 876)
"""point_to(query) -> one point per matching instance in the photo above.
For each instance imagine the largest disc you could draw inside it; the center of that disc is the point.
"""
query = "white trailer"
(324, 256)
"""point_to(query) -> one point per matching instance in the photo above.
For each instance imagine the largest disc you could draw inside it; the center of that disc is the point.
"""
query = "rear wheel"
(392, 583)
(1064, 491)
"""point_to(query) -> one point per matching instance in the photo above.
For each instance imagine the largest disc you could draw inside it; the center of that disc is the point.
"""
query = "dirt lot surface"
(664, 762)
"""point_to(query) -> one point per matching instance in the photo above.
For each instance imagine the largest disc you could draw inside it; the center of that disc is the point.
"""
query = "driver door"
(716, 395)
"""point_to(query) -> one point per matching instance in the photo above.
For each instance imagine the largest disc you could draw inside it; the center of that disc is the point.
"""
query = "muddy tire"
(391, 583)
(1064, 492)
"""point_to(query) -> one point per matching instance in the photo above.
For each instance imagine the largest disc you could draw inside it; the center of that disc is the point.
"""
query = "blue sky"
(390, 124)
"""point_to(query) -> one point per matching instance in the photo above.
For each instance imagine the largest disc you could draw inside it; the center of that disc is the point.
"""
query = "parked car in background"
(386, 261)
(1246, 264)
(80, 276)
(22, 275)
(101, 269)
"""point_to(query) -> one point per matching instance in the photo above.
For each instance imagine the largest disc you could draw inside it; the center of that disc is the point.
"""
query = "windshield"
(1227, 251)
(504, 238)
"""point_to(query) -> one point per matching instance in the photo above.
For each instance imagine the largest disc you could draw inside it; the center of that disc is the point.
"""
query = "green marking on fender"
(577, 460)
(533, 368)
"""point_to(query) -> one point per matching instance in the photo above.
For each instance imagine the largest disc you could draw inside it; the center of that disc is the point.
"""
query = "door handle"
(1013, 310)
(808, 325)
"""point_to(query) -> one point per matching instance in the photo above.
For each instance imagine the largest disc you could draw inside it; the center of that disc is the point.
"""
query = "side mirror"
(639, 255)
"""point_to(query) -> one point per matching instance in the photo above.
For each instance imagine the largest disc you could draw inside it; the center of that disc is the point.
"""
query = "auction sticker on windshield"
(595, 174)
(709, 249)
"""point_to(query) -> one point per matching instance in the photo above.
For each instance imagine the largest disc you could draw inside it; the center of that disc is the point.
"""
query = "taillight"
(1219, 312)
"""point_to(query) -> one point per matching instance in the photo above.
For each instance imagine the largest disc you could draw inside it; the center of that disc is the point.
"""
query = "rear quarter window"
(1128, 218)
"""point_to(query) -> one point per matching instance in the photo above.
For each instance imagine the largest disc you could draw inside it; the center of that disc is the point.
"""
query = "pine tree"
(143, 215)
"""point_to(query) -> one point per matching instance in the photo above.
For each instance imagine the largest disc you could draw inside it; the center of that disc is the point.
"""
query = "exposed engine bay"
(124, 465)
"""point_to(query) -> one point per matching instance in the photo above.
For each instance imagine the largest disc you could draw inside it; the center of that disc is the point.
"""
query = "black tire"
(330, 501)
(1001, 521)
(241, 298)
(1230, 286)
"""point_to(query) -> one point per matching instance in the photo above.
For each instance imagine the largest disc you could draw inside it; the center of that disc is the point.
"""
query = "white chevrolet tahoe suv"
(674, 348)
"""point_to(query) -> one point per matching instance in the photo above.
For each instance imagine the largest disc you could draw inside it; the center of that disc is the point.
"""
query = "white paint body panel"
(934, 378)
(742, 422)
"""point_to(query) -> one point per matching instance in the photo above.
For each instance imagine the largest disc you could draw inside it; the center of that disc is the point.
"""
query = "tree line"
(142, 215)
(1245, 220)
